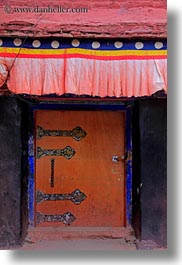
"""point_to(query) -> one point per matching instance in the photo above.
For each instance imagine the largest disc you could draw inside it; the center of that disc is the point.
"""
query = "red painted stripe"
(83, 56)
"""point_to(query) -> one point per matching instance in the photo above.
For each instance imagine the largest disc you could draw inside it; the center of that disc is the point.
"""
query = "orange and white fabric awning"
(119, 68)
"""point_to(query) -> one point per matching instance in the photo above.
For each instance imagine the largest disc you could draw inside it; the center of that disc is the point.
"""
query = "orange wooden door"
(77, 181)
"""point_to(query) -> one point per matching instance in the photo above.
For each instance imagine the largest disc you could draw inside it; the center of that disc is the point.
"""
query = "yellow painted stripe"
(82, 51)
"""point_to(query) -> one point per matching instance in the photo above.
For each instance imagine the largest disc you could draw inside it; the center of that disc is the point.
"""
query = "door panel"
(89, 174)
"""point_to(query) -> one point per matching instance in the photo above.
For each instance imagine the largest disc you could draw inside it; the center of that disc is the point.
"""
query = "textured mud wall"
(10, 172)
(153, 170)
(136, 209)
(105, 18)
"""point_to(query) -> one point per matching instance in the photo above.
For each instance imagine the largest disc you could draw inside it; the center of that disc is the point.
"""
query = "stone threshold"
(36, 234)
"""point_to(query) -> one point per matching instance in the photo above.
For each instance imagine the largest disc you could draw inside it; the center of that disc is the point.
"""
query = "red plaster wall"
(108, 18)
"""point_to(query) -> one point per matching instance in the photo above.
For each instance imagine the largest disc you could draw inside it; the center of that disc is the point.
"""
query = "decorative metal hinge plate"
(77, 133)
(76, 197)
(66, 218)
(68, 152)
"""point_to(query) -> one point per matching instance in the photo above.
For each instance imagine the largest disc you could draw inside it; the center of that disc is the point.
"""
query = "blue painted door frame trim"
(123, 106)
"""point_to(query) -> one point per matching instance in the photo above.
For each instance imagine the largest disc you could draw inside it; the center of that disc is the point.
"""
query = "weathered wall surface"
(153, 170)
(136, 209)
(10, 172)
(105, 18)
